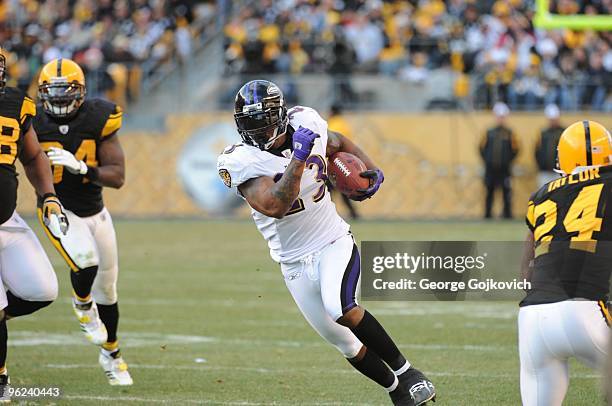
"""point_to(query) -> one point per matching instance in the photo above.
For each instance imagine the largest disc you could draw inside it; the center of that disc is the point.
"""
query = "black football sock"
(374, 368)
(82, 281)
(109, 314)
(374, 337)
(3, 346)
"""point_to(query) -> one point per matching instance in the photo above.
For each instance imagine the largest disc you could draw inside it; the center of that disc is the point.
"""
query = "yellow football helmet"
(61, 87)
(582, 144)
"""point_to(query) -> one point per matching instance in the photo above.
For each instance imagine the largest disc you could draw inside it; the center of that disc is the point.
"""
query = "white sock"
(402, 369)
(394, 386)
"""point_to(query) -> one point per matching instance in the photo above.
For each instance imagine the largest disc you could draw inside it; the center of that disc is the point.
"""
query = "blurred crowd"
(491, 45)
(117, 42)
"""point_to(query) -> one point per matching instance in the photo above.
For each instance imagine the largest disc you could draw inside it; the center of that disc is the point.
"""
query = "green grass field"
(206, 319)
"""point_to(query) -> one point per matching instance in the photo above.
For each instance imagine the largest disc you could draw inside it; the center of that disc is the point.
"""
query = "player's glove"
(59, 156)
(53, 215)
(376, 177)
(303, 142)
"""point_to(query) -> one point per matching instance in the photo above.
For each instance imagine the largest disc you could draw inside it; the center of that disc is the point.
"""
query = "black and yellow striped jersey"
(571, 221)
(16, 112)
(96, 121)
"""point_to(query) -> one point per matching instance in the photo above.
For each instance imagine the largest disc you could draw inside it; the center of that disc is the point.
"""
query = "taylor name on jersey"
(312, 222)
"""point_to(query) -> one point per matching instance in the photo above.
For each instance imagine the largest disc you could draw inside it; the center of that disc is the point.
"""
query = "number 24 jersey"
(571, 220)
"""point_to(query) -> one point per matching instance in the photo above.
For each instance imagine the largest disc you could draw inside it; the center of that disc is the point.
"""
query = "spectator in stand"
(341, 69)
(98, 80)
(526, 91)
(366, 38)
(97, 33)
(492, 43)
(599, 83)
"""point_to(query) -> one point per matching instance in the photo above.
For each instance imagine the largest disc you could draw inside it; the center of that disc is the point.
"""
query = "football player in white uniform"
(280, 169)
(26, 275)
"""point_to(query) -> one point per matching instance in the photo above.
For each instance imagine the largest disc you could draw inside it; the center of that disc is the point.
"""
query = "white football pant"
(324, 286)
(90, 241)
(549, 334)
(25, 269)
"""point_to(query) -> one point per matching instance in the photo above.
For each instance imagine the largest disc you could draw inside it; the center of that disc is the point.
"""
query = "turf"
(206, 319)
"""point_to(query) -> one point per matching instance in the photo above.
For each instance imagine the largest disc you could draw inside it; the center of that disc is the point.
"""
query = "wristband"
(93, 174)
(47, 195)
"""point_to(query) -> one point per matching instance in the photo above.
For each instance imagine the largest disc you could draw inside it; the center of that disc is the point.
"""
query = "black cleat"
(419, 388)
(401, 397)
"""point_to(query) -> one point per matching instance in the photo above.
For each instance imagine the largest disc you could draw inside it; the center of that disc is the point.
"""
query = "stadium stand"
(122, 45)
(492, 47)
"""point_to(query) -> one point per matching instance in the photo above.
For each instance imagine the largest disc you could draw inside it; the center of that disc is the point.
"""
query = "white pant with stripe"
(91, 241)
(25, 269)
(324, 286)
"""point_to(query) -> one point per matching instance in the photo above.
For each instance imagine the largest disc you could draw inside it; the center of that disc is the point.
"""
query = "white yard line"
(328, 371)
(469, 310)
(25, 338)
(179, 302)
(192, 401)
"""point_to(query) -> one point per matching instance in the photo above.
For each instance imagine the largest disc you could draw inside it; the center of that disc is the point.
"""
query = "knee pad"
(20, 307)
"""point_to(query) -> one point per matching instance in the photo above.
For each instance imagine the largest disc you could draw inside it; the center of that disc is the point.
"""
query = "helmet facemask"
(2, 72)
(61, 99)
(261, 127)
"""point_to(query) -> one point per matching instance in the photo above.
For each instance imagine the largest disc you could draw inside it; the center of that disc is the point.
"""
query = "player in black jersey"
(569, 251)
(25, 271)
(80, 137)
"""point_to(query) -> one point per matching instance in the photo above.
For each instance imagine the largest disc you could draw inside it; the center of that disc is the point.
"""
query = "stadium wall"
(431, 163)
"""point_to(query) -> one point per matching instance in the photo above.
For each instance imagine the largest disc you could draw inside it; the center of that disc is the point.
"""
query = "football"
(343, 172)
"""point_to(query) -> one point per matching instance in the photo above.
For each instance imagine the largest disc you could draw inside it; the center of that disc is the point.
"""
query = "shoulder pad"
(113, 122)
(239, 163)
(28, 109)
(308, 118)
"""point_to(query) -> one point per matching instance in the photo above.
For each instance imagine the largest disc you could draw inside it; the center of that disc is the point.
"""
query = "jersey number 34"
(86, 153)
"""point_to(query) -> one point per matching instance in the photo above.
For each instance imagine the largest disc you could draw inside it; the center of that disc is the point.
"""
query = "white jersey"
(313, 222)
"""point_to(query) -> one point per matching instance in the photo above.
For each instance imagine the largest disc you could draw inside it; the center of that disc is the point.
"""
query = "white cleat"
(5, 383)
(91, 325)
(116, 370)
